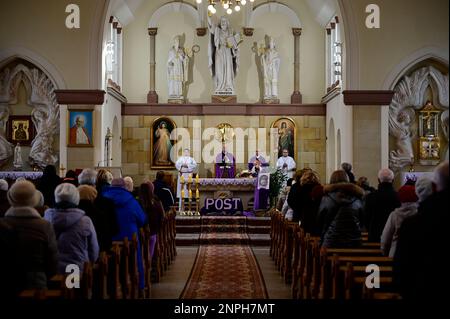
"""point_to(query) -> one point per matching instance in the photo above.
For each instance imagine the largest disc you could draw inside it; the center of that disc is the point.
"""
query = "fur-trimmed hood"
(344, 190)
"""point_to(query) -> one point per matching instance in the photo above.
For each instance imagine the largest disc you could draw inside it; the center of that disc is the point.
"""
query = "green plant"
(277, 180)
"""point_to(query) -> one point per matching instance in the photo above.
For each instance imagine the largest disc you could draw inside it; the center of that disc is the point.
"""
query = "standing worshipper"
(186, 166)
(47, 185)
(347, 167)
(286, 164)
(163, 191)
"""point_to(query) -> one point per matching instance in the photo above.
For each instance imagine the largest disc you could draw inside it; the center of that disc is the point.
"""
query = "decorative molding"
(331, 94)
(223, 109)
(119, 30)
(328, 31)
(232, 99)
(74, 97)
(116, 94)
(297, 32)
(333, 25)
(248, 32)
(367, 97)
(275, 7)
(152, 31)
(201, 32)
(296, 97)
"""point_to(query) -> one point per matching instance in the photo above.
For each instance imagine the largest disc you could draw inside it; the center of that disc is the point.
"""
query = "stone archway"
(44, 115)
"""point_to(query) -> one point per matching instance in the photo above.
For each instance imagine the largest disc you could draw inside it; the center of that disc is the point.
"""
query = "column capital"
(152, 31)
(297, 32)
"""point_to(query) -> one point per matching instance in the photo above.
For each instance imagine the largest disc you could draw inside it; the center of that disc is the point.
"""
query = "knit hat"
(407, 194)
(66, 192)
(3, 185)
(424, 188)
(87, 192)
(23, 194)
(118, 182)
(41, 200)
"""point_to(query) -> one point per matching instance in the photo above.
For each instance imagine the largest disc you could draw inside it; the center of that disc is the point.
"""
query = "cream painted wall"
(406, 26)
(136, 55)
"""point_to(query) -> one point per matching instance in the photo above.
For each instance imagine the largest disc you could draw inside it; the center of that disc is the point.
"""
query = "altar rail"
(223, 109)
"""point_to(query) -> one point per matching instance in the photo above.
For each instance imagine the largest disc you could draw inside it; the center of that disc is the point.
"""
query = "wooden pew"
(147, 260)
(114, 261)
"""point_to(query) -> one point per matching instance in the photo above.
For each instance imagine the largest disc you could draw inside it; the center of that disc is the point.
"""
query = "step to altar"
(226, 230)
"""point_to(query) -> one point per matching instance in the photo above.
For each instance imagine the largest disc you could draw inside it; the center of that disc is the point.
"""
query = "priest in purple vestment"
(225, 164)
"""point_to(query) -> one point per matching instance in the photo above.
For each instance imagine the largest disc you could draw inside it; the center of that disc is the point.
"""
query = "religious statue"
(444, 124)
(177, 71)
(223, 55)
(5, 146)
(270, 64)
(18, 161)
(401, 128)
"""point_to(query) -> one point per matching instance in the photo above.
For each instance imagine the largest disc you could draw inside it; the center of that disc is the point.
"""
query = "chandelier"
(228, 5)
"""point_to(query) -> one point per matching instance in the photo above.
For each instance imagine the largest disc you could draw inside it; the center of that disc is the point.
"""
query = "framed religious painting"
(161, 143)
(20, 130)
(286, 137)
(80, 128)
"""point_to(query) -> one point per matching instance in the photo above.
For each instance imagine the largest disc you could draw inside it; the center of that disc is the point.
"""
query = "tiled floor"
(174, 280)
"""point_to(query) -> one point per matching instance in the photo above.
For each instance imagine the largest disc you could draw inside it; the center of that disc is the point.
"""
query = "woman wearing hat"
(75, 232)
(27, 242)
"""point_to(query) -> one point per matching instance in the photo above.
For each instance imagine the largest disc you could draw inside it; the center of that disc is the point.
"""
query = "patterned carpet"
(225, 272)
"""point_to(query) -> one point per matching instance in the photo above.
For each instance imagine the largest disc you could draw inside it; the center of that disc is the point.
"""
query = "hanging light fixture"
(228, 5)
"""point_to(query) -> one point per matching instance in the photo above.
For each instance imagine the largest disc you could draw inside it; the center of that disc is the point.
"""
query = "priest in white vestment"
(185, 165)
(287, 164)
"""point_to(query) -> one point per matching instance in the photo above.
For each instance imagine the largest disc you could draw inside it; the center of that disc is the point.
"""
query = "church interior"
(223, 149)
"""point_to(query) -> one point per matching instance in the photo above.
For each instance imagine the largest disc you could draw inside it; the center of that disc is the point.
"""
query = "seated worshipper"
(163, 191)
(153, 208)
(420, 269)
(347, 167)
(410, 197)
(257, 158)
(379, 205)
(75, 232)
(100, 209)
(286, 164)
(4, 204)
(225, 166)
(130, 217)
(27, 243)
(340, 212)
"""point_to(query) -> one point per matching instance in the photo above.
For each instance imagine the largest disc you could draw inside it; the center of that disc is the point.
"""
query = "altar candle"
(182, 193)
(197, 179)
(190, 193)
(190, 179)
(197, 194)
(182, 179)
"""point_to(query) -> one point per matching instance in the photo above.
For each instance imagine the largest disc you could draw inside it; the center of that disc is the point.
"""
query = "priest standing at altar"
(225, 164)
(287, 164)
(257, 158)
(186, 166)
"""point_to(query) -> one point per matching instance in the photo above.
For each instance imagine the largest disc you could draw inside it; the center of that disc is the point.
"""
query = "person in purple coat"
(75, 232)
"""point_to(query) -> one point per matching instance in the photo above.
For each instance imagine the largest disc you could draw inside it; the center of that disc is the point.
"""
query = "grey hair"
(129, 183)
(441, 176)
(87, 177)
(3, 185)
(385, 175)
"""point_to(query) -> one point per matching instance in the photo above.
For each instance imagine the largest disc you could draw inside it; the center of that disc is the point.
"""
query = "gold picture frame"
(160, 149)
(289, 137)
(83, 119)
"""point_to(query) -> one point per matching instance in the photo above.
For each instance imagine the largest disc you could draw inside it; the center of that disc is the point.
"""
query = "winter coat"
(305, 201)
(340, 214)
(76, 236)
(378, 207)
(4, 204)
(420, 263)
(163, 192)
(389, 236)
(29, 251)
(130, 218)
(103, 216)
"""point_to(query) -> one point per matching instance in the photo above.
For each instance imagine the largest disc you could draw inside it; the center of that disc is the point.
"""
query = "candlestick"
(190, 179)
(182, 179)
(197, 179)
(190, 193)
(182, 194)
(197, 193)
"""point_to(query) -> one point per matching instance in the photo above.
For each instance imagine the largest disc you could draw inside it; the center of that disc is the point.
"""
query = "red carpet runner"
(225, 271)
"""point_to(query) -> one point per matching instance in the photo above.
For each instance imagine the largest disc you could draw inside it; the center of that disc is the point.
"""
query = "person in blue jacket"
(130, 217)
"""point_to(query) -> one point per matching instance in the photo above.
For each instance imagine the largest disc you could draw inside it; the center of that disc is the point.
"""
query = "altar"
(242, 188)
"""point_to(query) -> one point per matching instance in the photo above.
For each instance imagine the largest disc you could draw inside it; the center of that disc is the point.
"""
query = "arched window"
(333, 54)
(114, 53)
